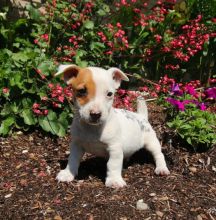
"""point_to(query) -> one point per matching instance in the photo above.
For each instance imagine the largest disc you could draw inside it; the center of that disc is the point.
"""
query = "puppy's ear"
(69, 72)
(117, 76)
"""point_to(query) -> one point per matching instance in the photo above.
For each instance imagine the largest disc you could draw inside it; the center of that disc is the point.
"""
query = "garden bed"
(29, 164)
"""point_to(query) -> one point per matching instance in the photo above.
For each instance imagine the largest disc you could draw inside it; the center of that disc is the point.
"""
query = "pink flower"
(44, 98)
(118, 25)
(36, 41)
(45, 37)
(37, 111)
(109, 52)
(36, 105)
(158, 38)
(45, 112)
(5, 90)
(61, 99)
(50, 85)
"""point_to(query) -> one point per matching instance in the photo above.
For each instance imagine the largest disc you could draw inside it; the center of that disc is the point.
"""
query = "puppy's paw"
(115, 182)
(162, 171)
(65, 176)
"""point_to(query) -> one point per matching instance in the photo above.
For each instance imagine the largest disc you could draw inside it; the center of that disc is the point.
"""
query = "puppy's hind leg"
(152, 144)
(69, 173)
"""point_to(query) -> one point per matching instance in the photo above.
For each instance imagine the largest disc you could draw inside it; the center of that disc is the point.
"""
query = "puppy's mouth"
(89, 121)
(94, 121)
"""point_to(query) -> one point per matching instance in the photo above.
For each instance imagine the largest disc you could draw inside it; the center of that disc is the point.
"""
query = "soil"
(29, 164)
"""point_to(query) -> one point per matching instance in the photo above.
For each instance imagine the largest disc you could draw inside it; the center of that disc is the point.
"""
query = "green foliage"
(25, 72)
(196, 127)
(73, 35)
(18, 74)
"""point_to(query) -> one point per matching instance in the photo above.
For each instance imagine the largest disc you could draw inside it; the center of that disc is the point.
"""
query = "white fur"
(117, 135)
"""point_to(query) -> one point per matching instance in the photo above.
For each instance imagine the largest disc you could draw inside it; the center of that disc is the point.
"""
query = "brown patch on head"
(83, 86)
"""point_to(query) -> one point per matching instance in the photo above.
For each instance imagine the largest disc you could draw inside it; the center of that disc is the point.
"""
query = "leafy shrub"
(29, 95)
(196, 127)
(28, 99)
(191, 111)
(149, 40)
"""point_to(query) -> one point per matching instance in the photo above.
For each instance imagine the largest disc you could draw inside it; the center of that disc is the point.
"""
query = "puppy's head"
(94, 90)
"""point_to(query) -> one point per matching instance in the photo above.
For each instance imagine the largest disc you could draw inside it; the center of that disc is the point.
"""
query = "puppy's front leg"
(153, 145)
(114, 167)
(69, 173)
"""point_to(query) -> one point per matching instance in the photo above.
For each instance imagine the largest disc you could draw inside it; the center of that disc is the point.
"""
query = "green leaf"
(57, 25)
(20, 22)
(20, 57)
(51, 123)
(45, 67)
(6, 125)
(189, 140)
(101, 12)
(16, 79)
(33, 12)
(82, 63)
(89, 24)
(28, 117)
(97, 46)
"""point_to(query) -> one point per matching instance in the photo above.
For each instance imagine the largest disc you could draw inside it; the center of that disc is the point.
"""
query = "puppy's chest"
(91, 143)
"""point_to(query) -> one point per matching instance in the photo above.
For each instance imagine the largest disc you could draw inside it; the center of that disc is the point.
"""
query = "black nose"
(95, 116)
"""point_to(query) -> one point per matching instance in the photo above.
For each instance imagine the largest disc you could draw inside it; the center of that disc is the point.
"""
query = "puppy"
(100, 129)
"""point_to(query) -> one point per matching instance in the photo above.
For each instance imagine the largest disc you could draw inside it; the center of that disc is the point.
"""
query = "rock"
(193, 169)
(152, 194)
(8, 195)
(140, 205)
(199, 217)
(57, 217)
(25, 151)
(159, 213)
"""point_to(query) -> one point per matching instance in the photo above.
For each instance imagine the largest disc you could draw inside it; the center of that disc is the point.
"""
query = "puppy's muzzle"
(95, 117)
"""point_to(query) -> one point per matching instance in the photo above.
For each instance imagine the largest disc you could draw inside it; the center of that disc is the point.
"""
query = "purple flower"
(171, 101)
(187, 102)
(176, 103)
(180, 105)
(211, 93)
(190, 90)
(176, 90)
(202, 106)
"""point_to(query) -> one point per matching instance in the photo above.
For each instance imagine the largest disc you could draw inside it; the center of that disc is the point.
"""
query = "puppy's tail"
(142, 107)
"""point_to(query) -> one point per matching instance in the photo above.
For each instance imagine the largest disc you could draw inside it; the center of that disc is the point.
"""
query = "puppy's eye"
(81, 92)
(109, 94)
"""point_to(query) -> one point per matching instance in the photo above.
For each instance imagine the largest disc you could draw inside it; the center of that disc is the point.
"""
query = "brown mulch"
(28, 189)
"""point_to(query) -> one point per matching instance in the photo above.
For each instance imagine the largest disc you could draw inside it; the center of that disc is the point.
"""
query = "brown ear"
(117, 76)
(69, 72)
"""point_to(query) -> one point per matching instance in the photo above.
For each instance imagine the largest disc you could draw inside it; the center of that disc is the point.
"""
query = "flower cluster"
(188, 93)
(157, 14)
(191, 41)
(41, 39)
(114, 37)
(38, 110)
(55, 99)
(126, 99)
(180, 95)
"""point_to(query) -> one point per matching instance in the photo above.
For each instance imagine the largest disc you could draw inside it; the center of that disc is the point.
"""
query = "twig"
(144, 80)
(201, 88)
(204, 197)
(149, 100)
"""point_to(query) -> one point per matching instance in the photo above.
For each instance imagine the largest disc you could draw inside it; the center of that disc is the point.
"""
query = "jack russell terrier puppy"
(103, 130)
